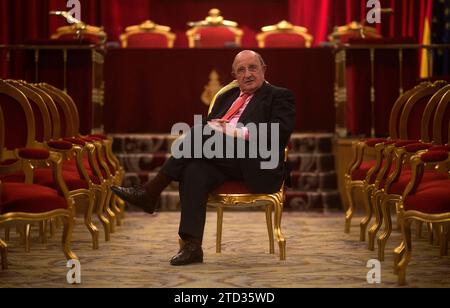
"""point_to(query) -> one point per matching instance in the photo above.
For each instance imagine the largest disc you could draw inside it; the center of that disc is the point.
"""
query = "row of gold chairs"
(392, 172)
(214, 32)
(41, 129)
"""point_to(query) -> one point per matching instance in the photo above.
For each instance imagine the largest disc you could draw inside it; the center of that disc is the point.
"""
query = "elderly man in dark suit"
(255, 101)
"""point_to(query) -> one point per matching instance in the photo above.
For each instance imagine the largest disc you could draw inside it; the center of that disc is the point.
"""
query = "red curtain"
(320, 16)
(28, 19)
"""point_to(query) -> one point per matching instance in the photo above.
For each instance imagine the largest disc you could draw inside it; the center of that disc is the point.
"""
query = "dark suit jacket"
(270, 104)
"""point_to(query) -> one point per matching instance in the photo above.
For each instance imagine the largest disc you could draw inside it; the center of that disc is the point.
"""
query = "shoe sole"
(192, 262)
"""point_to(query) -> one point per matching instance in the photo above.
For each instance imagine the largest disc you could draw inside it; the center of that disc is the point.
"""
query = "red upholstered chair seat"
(215, 37)
(44, 177)
(19, 197)
(360, 173)
(284, 40)
(232, 187)
(147, 40)
(428, 176)
(431, 198)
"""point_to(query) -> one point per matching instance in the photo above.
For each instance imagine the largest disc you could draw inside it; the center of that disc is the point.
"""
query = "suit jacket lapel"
(257, 101)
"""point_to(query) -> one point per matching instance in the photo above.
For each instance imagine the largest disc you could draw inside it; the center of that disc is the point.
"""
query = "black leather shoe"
(191, 253)
(136, 196)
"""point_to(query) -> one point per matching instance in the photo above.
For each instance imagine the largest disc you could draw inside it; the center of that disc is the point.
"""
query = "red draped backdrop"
(28, 19)
(22, 21)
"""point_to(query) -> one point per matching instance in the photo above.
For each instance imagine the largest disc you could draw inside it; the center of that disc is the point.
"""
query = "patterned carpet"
(319, 254)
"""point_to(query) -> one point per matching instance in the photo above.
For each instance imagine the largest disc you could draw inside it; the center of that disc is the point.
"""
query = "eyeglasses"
(252, 69)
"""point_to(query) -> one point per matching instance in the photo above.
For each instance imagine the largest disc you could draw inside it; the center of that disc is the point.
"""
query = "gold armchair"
(214, 32)
(284, 34)
(235, 195)
(148, 35)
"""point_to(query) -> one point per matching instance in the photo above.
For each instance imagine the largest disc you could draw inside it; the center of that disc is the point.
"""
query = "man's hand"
(225, 128)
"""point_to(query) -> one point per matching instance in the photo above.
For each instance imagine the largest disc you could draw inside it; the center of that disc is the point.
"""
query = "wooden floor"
(319, 254)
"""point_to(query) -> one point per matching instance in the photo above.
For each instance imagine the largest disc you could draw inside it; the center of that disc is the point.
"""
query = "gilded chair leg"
(89, 224)
(116, 210)
(278, 233)
(42, 233)
(121, 205)
(436, 234)
(378, 200)
(269, 210)
(367, 192)
(350, 210)
(384, 236)
(419, 226)
(101, 216)
(219, 229)
(110, 213)
(27, 237)
(430, 233)
(4, 254)
(67, 238)
(444, 240)
(7, 234)
(398, 254)
(406, 231)
(53, 227)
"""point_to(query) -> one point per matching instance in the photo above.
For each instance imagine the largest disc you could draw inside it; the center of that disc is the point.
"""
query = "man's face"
(249, 72)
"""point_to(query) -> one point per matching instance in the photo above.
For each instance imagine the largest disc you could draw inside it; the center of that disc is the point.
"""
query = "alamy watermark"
(374, 14)
(203, 141)
(75, 8)
(374, 275)
(74, 274)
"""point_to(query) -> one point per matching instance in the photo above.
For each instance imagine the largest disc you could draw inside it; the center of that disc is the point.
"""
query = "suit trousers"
(197, 178)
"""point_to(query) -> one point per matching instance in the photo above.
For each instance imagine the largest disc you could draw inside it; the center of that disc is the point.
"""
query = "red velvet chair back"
(2, 136)
(285, 40)
(442, 120)
(429, 115)
(40, 111)
(19, 122)
(413, 112)
(215, 37)
(148, 35)
(284, 35)
(214, 32)
(147, 40)
(55, 120)
(67, 126)
(397, 109)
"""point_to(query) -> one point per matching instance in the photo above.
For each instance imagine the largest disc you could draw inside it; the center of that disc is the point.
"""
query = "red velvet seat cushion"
(44, 177)
(374, 141)
(100, 136)
(434, 156)
(77, 141)
(31, 153)
(19, 197)
(360, 173)
(72, 167)
(232, 187)
(415, 147)
(428, 176)
(60, 145)
(441, 148)
(430, 198)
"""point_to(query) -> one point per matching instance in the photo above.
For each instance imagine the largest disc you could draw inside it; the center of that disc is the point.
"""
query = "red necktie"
(236, 106)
